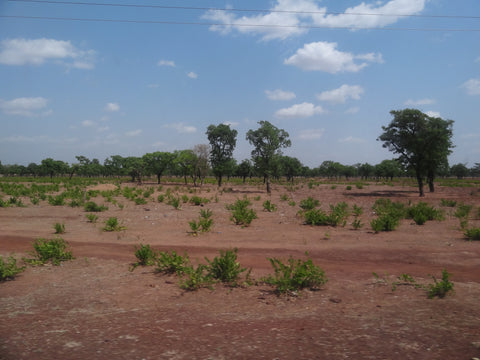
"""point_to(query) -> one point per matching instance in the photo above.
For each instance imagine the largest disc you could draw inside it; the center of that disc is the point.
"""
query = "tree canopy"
(222, 143)
(422, 142)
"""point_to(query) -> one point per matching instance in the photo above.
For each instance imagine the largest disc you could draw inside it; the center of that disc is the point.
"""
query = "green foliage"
(309, 203)
(197, 200)
(225, 268)
(448, 202)
(337, 216)
(349, 187)
(357, 210)
(91, 217)
(9, 268)
(59, 228)
(58, 200)
(91, 206)
(172, 263)
(195, 278)
(146, 256)
(184, 198)
(284, 197)
(112, 224)
(174, 201)
(268, 206)
(161, 198)
(241, 214)
(53, 250)
(203, 224)
(422, 212)
(140, 201)
(463, 213)
(357, 224)
(389, 215)
(440, 288)
(472, 233)
(385, 222)
(292, 203)
(295, 275)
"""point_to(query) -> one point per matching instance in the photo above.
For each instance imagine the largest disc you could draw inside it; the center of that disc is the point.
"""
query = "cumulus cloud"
(324, 56)
(279, 94)
(426, 101)
(39, 51)
(292, 17)
(26, 106)
(472, 86)
(192, 75)
(133, 133)
(342, 94)
(351, 139)
(434, 114)
(311, 134)
(231, 123)
(182, 128)
(302, 110)
(112, 107)
(166, 63)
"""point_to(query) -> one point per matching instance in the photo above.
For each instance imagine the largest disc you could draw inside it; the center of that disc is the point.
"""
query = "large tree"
(267, 140)
(422, 142)
(158, 162)
(222, 143)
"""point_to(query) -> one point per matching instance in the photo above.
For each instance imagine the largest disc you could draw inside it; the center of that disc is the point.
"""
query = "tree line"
(423, 144)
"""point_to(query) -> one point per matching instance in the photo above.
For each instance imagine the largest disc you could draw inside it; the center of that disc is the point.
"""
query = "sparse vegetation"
(91, 217)
(225, 268)
(92, 206)
(59, 228)
(9, 268)
(269, 206)
(146, 256)
(49, 250)
(440, 288)
(112, 224)
(204, 222)
(241, 213)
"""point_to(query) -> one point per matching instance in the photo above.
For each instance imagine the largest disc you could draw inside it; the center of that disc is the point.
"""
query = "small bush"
(204, 222)
(225, 268)
(268, 206)
(309, 203)
(195, 278)
(292, 203)
(9, 268)
(337, 216)
(161, 198)
(174, 201)
(140, 201)
(184, 198)
(284, 197)
(172, 263)
(448, 203)
(349, 187)
(58, 200)
(197, 200)
(389, 215)
(472, 234)
(241, 214)
(385, 222)
(112, 224)
(440, 288)
(91, 206)
(422, 212)
(53, 250)
(145, 255)
(91, 217)
(59, 228)
(295, 275)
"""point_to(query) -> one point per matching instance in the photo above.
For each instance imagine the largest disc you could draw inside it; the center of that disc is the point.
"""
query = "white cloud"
(472, 86)
(311, 134)
(302, 110)
(324, 56)
(434, 114)
(112, 107)
(231, 123)
(292, 17)
(88, 123)
(182, 129)
(133, 133)
(192, 75)
(166, 63)
(25, 106)
(352, 110)
(420, 102)
(279, 94)
(39, 51)
(342, 94)
(351, 139)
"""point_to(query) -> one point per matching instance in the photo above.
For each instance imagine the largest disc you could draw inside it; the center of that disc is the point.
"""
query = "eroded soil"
(95, 308)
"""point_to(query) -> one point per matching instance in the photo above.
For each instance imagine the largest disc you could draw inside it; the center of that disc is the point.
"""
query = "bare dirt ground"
(94, 308)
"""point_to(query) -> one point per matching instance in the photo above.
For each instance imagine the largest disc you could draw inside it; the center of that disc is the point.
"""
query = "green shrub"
(448, 203)
(161, 198)
(197, 200)
(184, 198)
(284, 197)
(140, 201)
(53, 250)
(59, 228)
(112, 224)
(440, 288)
(295, 275)
(292, 203)
(268, 206)
(386, 222)
(422, 212)
(34, 200)
(357, 210)
(9, 268)
(91, 217)
(337, 216)
(241, 214)
(204, 222)
(225, 268)
(309, 203)
(91, 206)
(145, 255)
(58, 200)
(174, 201)
(349, 187)
(172, 263)
(463, 211)
(389, 215)
(472, 233)
(195, 278)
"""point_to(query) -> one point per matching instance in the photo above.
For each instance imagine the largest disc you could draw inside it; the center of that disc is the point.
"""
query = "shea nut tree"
(423, 143)
(222, 141)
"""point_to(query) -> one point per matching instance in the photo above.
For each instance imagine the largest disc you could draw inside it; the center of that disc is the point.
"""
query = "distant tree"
(134, 167)
(475, 170)
(222, 143)
(388, 169)
(52, 167)
(185, 161)
(365, 170)
(459, 170)
(267, 140)
(114, 166)
(422, 142)
(330, 169)
(157, 163)
(291, 167)
(33, 169)
(201, 166)
(245, 169)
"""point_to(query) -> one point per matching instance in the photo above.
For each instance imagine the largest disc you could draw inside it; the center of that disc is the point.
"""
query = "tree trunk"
(420, 184)
(267, 180)
(158, 178)
(219, 180)
(430, 179)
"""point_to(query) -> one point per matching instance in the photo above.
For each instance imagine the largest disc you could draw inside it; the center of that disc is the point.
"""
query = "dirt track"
(94, 308)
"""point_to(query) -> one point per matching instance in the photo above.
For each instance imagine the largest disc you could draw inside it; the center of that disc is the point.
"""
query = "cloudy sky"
(147, 76)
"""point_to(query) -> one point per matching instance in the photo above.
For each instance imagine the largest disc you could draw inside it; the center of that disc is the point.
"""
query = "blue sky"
(324, 71)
